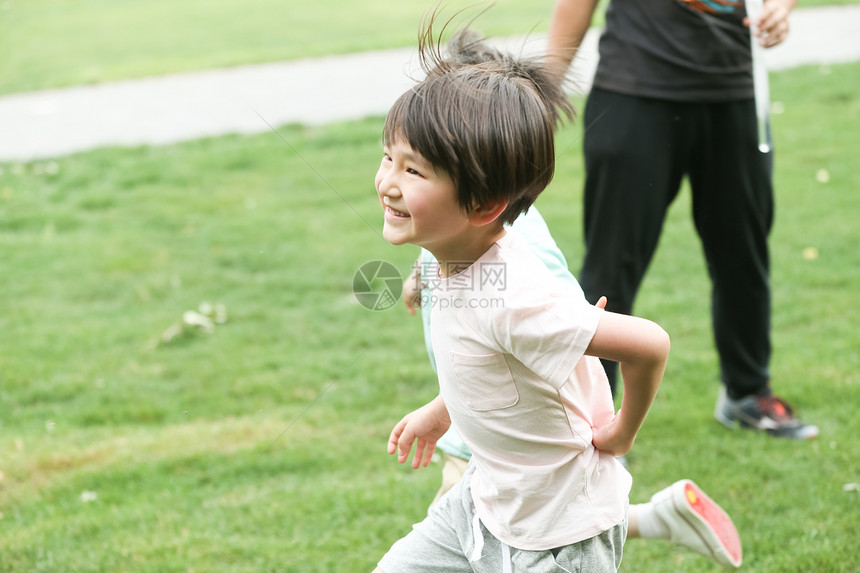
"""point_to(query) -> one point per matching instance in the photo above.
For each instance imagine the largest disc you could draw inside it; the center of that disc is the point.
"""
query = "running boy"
(466, 150)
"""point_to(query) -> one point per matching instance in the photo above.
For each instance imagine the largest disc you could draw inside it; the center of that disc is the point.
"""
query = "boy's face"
(420, 203)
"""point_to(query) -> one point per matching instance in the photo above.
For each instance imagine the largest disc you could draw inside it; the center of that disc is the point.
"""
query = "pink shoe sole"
(713, 522)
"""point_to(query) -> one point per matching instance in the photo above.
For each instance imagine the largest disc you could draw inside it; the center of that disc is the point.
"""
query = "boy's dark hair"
(486, 118)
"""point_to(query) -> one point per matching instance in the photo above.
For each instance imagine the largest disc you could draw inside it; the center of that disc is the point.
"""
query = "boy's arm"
(641, 348)
(426, 425)
(569, 22)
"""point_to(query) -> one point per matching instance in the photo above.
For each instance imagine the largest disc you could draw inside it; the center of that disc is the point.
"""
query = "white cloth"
(509, 341)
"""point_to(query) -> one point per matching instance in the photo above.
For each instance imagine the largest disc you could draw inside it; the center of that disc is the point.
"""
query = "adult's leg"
(634, 162)
(733, 211)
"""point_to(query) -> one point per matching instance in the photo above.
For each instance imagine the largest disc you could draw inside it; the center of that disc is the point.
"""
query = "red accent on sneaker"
(776, 408)
(717, 519)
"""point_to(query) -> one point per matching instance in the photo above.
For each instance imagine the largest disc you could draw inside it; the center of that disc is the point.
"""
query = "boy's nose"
(388, 185)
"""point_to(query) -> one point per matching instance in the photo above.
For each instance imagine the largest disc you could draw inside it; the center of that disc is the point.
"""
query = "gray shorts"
(452, 538)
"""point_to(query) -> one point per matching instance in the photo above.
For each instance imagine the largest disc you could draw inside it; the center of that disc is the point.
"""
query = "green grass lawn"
(261, 446)
(56, 43)
(60, 43)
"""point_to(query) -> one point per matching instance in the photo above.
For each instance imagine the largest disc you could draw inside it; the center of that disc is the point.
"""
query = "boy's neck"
(456, 257)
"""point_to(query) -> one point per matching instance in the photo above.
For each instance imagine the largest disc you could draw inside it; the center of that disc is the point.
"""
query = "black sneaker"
(768, 413)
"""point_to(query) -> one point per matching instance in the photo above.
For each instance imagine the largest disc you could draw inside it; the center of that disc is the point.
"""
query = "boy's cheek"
(377, 179)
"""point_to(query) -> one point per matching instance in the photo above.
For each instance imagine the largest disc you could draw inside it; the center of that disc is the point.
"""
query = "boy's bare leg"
(633, 522)
(453, 469)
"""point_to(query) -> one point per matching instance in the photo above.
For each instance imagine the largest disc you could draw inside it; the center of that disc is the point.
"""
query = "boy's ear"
(486, 214)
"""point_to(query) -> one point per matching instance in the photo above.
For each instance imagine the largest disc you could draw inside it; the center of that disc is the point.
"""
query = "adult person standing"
(673, 96)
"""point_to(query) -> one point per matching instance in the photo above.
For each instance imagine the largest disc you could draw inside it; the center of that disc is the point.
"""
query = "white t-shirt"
(509, 340)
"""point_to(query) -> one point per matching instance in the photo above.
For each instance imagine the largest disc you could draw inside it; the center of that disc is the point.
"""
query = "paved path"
(249, 99)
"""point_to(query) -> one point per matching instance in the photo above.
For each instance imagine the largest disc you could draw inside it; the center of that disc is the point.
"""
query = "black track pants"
(637, 150)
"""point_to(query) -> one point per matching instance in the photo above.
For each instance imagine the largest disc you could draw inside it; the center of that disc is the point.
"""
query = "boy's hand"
(426, 425)
(642, 348)
(611, 439)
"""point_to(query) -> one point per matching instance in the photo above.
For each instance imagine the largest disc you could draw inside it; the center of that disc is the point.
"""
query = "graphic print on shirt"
(712, 6)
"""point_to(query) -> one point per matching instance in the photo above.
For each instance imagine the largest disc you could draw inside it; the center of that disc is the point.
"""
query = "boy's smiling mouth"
(391, 210)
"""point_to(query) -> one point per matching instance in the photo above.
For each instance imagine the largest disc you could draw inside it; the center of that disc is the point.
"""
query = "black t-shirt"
(679, 50)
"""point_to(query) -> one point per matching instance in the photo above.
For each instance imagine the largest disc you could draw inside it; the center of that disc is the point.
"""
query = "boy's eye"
(413, 172)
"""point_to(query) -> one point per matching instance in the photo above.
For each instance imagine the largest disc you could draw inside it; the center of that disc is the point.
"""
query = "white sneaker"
(698, 523)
